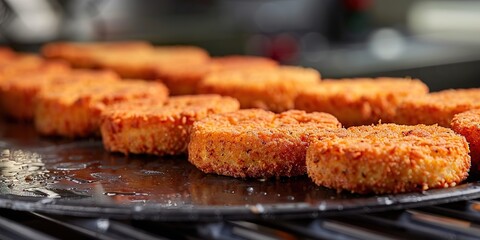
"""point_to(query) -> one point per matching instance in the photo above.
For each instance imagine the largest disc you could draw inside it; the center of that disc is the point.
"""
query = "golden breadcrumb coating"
(361, 101)
(6, 55)
(18, 92)
(152, 127)
(233, 62)
(134, 59)
(183, 77)
(388, 158)
(468, 125)
(146, 65)
(73, 109)
(437, 107)
(24, 63)
(272, 89)
(87, 54)
(255, 143)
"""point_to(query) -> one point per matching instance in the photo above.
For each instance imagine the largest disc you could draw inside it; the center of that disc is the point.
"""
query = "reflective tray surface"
(78, 177)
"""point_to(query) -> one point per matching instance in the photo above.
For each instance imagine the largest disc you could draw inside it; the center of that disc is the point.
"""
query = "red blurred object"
(357, 5)
(284, 48)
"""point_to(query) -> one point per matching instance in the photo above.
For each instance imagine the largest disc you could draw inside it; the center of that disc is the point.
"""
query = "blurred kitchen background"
(436, 41)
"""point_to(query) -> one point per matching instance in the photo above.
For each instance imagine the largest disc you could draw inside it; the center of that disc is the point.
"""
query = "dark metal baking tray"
(77, 177)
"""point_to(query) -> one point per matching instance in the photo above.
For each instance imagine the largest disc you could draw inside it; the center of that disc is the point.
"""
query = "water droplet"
(43, 191)
(69, 166)
(263, 193)
(79, 180)
(290, 198)
(151, 172)
(250, 190)
(33, 168)
(106, 176)
(112, 193)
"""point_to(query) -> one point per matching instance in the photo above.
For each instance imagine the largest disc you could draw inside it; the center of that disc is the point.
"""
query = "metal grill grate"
(459, 220)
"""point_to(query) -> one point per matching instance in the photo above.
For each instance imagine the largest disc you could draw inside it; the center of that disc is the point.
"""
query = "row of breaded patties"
(383, 158)
(132, 116)
(149, 126)
(410, 162)
(256, 82)
(180, 68)
(138, 117)
(261, 82)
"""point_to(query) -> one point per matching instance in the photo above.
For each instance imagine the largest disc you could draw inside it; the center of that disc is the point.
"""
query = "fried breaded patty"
(468, 125)
(87, 54)
(437, 107)
(74, 109)
(149, 64)
(17, 93)
(135, 59)
(389, 158)
(153, 127)
(6, 55)
(271, 89)
(183, 77)
(22, 63)
(359, 101)
(255, 143)
(233, 62)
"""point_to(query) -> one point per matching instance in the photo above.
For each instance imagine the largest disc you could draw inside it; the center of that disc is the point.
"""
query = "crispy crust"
(17, 93)
(360, 101)
(73, 109)
(23, 63)
(150, 64)
(135, 59)
(6, 55)
(468, 125)
(87, 55)
(255, 143)
(151, 127)
(233, 62)
(271, 89)
(183, 77)
(389, 158)
(438, 107)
